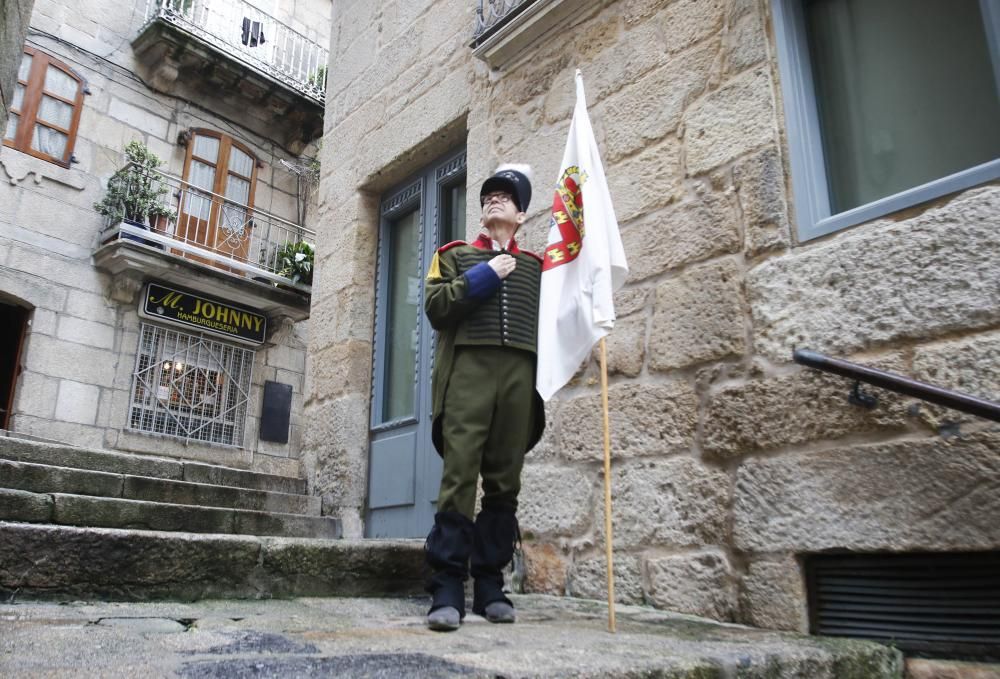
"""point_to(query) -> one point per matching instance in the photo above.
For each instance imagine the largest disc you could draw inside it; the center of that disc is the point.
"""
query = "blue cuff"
(482, 281)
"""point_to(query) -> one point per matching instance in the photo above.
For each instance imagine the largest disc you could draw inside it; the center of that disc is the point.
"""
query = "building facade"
(783, 180)
(157, 169)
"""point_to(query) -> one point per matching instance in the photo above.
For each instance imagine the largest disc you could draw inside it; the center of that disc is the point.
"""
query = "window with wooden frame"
(45, 110)
(215, 208)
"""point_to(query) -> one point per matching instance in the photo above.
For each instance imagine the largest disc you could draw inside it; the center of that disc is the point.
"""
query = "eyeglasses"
(501, 196)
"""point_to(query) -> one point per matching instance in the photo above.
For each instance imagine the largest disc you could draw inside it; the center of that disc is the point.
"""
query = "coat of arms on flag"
(567, 218)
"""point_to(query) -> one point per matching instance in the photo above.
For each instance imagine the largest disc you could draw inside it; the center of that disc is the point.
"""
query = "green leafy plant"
(135, 192)
(317, 78)
(179, 6)
(295, 262)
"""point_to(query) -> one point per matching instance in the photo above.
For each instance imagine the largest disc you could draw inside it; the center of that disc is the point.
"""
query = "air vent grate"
(934, 604)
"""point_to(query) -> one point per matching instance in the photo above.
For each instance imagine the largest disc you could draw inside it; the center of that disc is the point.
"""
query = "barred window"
(190, 387)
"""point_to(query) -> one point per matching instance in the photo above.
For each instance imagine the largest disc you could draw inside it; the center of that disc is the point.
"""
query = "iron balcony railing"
(249, 35)
(167, 213)
(492, 14)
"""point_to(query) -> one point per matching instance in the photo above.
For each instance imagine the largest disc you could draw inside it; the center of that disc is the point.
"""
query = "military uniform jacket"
(465, 310)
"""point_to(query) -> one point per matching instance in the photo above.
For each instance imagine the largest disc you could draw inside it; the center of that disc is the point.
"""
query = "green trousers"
(486, 426)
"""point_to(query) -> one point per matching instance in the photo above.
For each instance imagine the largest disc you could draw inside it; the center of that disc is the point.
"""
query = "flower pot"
(137, 239)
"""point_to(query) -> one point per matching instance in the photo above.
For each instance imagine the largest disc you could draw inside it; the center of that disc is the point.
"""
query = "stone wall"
(14, 15)
(730, 463)
(80, 349)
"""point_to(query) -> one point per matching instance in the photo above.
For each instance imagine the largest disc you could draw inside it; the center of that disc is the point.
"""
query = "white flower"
(299, 256)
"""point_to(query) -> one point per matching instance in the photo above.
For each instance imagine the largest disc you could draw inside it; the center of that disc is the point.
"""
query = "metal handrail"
(219, 197)
(948, 398)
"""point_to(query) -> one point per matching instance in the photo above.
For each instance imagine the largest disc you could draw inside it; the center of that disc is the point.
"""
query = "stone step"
(70, 563)
(83, 510)
(44, 478)
(42, 452)
(386, 637)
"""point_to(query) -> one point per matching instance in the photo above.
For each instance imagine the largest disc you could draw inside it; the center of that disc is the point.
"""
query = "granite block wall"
(730, 462)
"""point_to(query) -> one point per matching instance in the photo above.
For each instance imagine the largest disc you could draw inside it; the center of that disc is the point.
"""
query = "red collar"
(484, 242)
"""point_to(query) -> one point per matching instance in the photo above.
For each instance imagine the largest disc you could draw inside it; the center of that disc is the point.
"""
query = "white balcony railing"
(169, 214)
(247, 34)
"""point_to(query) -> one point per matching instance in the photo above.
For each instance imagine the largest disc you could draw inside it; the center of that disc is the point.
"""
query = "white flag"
(584, 261)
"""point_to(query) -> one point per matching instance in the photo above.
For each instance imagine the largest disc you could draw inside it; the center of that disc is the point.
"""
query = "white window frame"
(805, 144)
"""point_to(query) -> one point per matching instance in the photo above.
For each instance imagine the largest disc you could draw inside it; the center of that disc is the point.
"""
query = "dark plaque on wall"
(275, 412)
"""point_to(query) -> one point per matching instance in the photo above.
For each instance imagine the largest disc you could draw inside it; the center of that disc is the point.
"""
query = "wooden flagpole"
(607, 487)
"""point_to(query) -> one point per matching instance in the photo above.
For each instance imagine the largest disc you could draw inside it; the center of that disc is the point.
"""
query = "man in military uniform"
(482, 298)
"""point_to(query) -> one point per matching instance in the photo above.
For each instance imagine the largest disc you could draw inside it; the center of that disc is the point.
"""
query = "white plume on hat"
(523, 168)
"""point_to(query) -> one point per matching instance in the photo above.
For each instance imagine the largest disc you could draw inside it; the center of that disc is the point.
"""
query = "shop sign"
(207, 314)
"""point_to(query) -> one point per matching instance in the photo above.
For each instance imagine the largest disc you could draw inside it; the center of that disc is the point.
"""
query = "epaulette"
(529, 252)
(449, 246)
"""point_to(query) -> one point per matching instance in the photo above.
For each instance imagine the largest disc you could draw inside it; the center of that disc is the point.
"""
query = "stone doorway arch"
(14, 315)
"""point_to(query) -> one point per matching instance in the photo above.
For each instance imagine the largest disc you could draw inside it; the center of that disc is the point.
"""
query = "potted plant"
(317, 79)
(295, 262)
(135, 193)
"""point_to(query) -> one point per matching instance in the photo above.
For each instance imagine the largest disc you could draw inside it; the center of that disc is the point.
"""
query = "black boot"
(447, 548)
(496, 533)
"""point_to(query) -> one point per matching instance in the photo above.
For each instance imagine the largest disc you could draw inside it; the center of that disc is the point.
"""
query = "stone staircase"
(78, 522)
(51, 483)
(111, 536)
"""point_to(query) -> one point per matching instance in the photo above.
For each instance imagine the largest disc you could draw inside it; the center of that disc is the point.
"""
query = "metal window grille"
(933, 604)
(189, 387)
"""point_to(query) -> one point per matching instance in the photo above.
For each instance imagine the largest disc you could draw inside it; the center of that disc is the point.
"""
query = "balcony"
(196, 238)
(493, 14)
(505, 27)
(233, 54)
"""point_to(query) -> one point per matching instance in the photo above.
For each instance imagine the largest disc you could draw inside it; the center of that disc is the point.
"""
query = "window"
(888, 103)
(189, 387)
(221, 176)
(45, 110)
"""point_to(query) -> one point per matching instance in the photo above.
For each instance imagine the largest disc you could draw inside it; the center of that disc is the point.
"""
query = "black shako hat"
(514, 180)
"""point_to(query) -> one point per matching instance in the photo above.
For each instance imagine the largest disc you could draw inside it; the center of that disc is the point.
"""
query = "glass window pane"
(402, 317)
(25, 68)
(198, 205)
(906, 93)
(202, 175)
(12, 121)
(240, 162)
(60, 83)
(238, 190)
(18, 99)
(206, 148)
(453, 215)
(234, 217)
(48, 141)
(56, 112)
